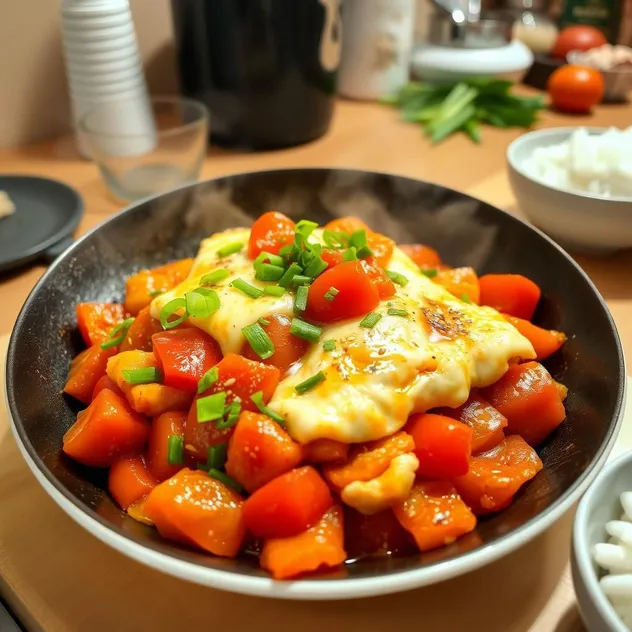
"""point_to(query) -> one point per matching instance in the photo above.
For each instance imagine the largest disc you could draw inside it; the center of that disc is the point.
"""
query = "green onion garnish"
(315, 267)
(290, 273)
(263, 321)
(274, 290)
(268, 272)
(396, 312)
(350, 254)
(257, 398)
(305, 330)
(268, 257)
(364, 252)
(201, 302)
(146, 375)
(246, 288)
(310, 383)
(154, 293)
(466, 299)
(431, 273)
(305, 228)
(358, 239)
(370, 320)
(329, 345)
(259, 340)
(231, 414)
(208, 379)
(285, 251)
(230, 249)
(300, 300)
(224, 478)
(331, 294)
(175, 449)
(396, 277)
(217, 456)
(210, 407)
(171, 308)
(335, 239)
(300, 279)
(117, 335)
(217, 276)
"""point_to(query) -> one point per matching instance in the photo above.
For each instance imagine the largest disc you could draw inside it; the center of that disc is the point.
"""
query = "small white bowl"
(599, 505)
(579, 221)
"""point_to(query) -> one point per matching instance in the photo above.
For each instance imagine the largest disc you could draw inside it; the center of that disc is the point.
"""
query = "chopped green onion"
(246, 288)
(217, 456)
(257, 398)
(300, 300)
(175, 449)
(431, 273)
(268, 257)
(396, 277)
(263, 321)
(396, 312)
(171, 308)
(201, 302)
(117, 335)
(274, 290)
(310, 383)
(227, 480)
(364, 252)
(290, 273)
(335, 239)
(329, 345)
(210, 407)
(146, 375)
(285, 251)
(217, 276)
(300, 279)
(305, 228)
(315, 267)
(208, 379)
(154, 293)
(466, 299)
(331, 294)
(370, 320)
(231, 414)
(268, 272)
(358, 239)
(350, 254)
(259, 340)
(230, 249)
(305, 330)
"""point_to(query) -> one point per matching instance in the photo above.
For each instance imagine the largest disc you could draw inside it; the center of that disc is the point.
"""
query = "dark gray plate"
(464, 230)
(46, 214)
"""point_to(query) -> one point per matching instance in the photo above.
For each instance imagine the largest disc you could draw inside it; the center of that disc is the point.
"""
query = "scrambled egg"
(377, 377)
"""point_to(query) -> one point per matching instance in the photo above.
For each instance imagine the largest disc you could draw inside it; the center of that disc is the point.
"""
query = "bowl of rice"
(575, 183)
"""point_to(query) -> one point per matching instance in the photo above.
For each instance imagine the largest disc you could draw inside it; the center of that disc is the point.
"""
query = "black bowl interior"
(464, 230)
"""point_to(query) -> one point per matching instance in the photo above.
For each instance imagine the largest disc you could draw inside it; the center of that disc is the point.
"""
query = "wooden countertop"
(60, 578)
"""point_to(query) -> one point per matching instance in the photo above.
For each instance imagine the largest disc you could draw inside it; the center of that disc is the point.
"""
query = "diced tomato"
(288, 504)
(347, 225)
(381, 246)
(260, 450)
(545, 341)
(86, 370)
(165, 425)
(378, 534)
(106, 382)
(141, 288)
(129, 480)
(513, 294)
(140, 332)
(325, 451)
(442, 445)
(270, 233)
(495, 476)
(96, 320)
(288, 349)
(486, 422)
(321, 546)
(357, 294)
(462, 282)
(332, 257)
(385, 287)
(435, 514)
(527, 396)
(185, 355)
(105, 431)
(423, 256)
(368, 461)
(193, 508)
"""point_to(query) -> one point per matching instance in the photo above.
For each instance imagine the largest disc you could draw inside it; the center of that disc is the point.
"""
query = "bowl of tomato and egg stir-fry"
(314, 395)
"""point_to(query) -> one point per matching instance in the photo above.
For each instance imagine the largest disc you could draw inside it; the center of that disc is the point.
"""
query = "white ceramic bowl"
(579, 221)
(599, 505)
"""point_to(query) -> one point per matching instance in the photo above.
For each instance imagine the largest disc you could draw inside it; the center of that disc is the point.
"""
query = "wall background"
(33, 98)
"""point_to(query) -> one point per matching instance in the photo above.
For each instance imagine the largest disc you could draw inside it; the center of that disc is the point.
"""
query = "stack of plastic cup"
(104, 67)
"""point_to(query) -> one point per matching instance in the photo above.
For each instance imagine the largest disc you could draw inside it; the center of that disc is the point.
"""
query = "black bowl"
(464, 230)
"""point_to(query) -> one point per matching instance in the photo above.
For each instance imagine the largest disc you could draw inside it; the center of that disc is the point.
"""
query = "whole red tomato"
(577, 38)
(575, 88)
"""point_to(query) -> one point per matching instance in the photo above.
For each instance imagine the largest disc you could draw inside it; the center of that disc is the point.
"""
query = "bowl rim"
(581, 549)
(308, 589)
(510, 155)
